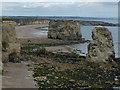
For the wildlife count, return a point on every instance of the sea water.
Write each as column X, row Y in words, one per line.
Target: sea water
column 87, row 33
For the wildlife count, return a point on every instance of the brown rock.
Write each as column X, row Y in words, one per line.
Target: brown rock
column 101, row 48
column 64, row 30
column 9, row 40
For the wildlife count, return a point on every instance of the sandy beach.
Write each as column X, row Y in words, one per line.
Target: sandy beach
column 29, row 31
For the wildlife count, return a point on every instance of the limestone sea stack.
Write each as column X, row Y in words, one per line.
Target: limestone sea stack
column 64, row 30
column 101, row 48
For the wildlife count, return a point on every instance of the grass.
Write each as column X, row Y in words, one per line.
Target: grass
column 6, row 19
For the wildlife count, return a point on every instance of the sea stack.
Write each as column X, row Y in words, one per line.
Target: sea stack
column 101, row 48
column 10, row 46
column 64, row 30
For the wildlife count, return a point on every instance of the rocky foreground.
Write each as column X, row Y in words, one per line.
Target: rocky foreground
column 68, row 70
column 65, row 69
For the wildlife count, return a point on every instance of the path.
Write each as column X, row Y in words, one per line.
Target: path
column 17, row 76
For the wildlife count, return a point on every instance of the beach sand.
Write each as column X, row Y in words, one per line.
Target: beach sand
column 56, row 49
column 28, row 31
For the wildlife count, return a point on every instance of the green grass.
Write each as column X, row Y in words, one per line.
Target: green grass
column 6, row 19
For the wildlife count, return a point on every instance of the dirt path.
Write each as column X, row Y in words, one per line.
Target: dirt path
column 16, row 75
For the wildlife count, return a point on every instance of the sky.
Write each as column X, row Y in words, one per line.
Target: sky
column 59, row 0
column 95, row 8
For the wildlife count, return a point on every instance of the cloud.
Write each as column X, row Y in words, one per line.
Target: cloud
column 47, row 5
column 60, row 0
column 93, row 9
column 35, row 5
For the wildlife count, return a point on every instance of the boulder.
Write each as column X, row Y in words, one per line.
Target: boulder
column 101, row 48
column 64, row 30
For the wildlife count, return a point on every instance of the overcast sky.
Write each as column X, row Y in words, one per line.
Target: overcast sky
column 62, row 8
column 59, row 0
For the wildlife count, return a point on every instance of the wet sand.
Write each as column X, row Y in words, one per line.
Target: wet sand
column 55, row 49
column 16, row 75
column 29, row 31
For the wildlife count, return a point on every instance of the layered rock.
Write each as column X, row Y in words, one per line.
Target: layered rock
column 8, row 31
column 9, row 40
column 64, row 30
column 101, row 48
column 31, row 21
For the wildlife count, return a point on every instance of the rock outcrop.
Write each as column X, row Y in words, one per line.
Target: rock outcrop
column 101, row 48
column 8, row 31
column 31, row 21
column 96, row 23
column 10, row 45
column 64, row 30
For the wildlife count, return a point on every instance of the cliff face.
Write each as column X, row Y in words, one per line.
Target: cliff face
column 101, row 48
column 9, row 40
column 64, row 30
column 30, row 21
column 8, row 31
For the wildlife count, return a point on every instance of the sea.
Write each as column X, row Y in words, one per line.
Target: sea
column 87, row 33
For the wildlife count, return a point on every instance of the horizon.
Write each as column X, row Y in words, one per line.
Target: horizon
column 66, row 16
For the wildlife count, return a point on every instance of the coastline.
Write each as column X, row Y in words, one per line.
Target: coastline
column 57, row 56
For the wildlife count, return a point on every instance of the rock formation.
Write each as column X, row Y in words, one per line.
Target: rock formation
column 9, row 40
column 101, row 48
column 31, row 21
column 8, row 31
column 64, row 30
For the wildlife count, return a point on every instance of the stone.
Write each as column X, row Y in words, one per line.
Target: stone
column 10, row 44
column 64, row 30
column 101, row 48
column 8, row 31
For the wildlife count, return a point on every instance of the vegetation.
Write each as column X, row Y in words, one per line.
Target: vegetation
column 49, row 77
column 6, row 19
column 83, row 75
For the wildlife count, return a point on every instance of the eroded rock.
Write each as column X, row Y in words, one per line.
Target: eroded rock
column 64, row 30
column 9, row 41
column 101, row 48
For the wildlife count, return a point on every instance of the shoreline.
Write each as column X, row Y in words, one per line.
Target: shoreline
column 62, row 61
column 27, row 31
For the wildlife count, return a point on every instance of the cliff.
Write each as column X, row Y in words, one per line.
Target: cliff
column 36, row 20
column 64, row 30
column 32, row 21
column 8, row 31
column 96, row 23
column 10, row 46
